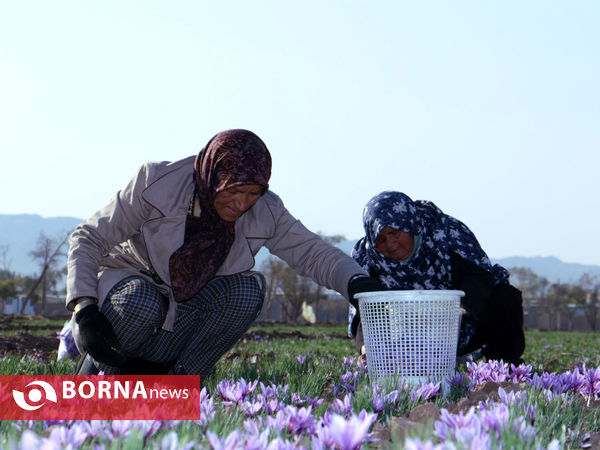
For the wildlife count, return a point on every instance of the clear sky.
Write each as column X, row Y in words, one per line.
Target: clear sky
column 489, row 109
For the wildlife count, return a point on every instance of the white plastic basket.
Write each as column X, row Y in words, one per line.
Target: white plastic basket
column 411, row 335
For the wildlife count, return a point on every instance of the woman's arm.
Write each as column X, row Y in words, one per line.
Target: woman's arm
column 309, row 254
column 94, row 238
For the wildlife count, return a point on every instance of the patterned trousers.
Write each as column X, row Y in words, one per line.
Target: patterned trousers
column 206, row 326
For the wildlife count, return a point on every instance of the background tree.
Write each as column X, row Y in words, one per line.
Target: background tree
column 533, row 286
column 591, row 285
column 8, row 289
column 272, row 269
column 47, row 253
column 4, row 260
column 295, row 288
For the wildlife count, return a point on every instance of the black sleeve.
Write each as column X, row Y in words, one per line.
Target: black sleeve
column 474, row 281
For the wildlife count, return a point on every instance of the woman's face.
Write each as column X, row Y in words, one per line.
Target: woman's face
column 395, row 244
column 232, row 203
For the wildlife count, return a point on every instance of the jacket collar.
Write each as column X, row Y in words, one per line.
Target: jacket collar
column 172, row 187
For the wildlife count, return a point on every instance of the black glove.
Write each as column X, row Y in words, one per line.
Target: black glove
column 98, row 337
column 140, row 366
column 363, row 284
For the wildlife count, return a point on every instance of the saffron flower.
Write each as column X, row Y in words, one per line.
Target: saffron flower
column 590, row 383
column 313, row 401
column 425, row 391
column 520, row 373
column 343, row 407
column 347, row 434
column 171, row 442
column 235, row 392
column 349, row 381
column 235, row 439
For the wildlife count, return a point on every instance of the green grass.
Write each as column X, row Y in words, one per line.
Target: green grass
column 13, row 324
column 273, row 361
column 304, row 329
column 554, row 351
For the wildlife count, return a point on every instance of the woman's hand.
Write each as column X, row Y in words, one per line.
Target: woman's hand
column 97, row 335
column 363, row 283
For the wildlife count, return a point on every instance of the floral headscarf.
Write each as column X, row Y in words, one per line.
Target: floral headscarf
column 429, row 267
column 231, row 158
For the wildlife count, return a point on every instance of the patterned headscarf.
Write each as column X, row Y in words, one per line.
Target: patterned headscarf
column 231, row 158
column 429, row 267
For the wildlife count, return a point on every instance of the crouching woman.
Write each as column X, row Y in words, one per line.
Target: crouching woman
column 160, row 279
column 414, row 245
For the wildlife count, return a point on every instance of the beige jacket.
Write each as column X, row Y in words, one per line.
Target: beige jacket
column 138, row 231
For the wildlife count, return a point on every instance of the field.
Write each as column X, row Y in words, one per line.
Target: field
column 291, row 387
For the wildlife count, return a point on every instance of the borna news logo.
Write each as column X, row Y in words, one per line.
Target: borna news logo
column 35, row 396
column 111, row 397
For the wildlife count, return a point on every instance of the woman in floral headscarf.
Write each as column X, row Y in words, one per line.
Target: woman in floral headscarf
column 414, row 245
column 159, row 280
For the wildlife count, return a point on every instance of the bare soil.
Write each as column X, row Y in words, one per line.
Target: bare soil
column 24, row 342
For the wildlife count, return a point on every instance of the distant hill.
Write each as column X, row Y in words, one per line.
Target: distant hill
column 550, row 267
column 20, row 233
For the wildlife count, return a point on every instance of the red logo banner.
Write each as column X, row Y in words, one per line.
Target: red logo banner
column 100, row 397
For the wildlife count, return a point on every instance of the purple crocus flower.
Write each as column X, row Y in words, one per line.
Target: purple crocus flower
column 273, row 405
column 171, row 442
column 523, row 429
column 349, row 381
column 378, row 403
column 91, row 428
column 590, row 385
column 299, row 420
column 569, row 381
column 315, row 402
column 448, row 424
column 235, row 392
column 512, row 397
column 347, row 434
column 278, row 422
column 252, row 408
column 234, row 440
column 228, row 392
column 253, row 426
column 282, row 444
column 391, row 397
column 300, row 359
column 520, row 373
column 273, row 391
column 296, row 399
column 495, row 419
column 459, row 380
column 425, row 391
column 417, row 444
column 61, row 436
column 29, row 440
column 348, row 363
column 207, row 409
column 479, row 373
column 343, row 407
column 117, row 428
column 544, row 381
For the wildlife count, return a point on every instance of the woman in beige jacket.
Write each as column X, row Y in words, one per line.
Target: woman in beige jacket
column 160, row 279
